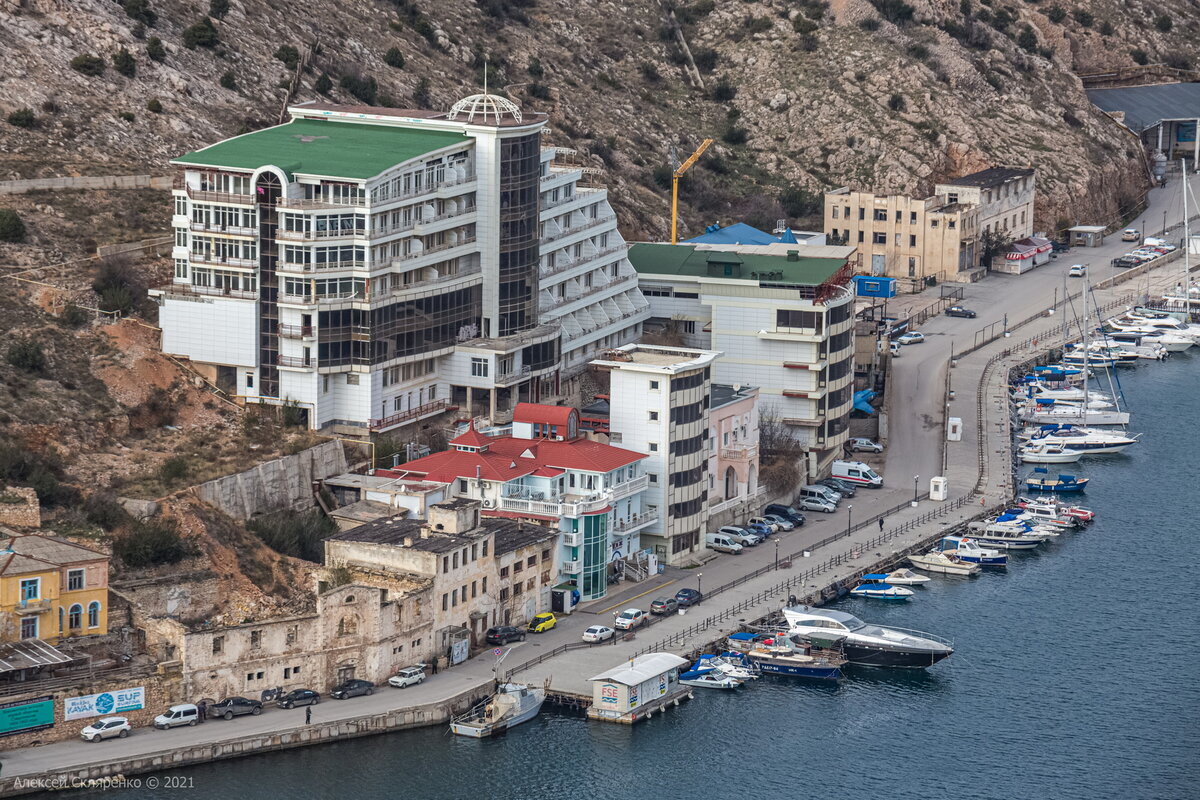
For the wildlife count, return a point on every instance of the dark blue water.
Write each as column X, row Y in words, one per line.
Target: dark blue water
column 1075, row 676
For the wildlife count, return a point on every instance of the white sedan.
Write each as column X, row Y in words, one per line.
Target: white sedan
column 912, row 337
column 598, row 633
column 106, row 728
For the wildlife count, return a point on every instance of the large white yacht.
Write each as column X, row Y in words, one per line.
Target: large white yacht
column 869, row 645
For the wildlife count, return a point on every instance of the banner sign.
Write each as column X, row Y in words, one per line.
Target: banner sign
column 19, row 716
column 99, row 705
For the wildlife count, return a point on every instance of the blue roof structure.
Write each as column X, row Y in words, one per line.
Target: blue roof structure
column 788, row 237
column 862, row 401
column 737, row 233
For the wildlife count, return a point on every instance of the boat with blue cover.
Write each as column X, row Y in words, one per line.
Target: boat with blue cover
column 1040, row 481
column 969, row 550
column 875, row 586
column 814, row 656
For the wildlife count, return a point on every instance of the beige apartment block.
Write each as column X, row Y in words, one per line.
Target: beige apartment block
column 904, row 237
column 1003, row 195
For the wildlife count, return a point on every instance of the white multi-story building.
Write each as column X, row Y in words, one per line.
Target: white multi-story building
column 376, row 266
column 782, row 319
column 659, row 405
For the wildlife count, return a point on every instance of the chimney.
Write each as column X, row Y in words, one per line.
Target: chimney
column 408, row 541
column 424, row 531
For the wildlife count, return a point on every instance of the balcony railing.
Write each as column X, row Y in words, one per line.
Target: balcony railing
column 309, row 236
column 296, row 331
column 233, row 230
column 435, row 249
column 295, row 361
column 301, row 204
column 528, row 506
column 291, row 266
column 401, row 417
column 200, row 196
column 223, row 261
column 572, row 538
column 633, row 523
column 630, row 487
column 34, row 606
column 591, row 223
column 572, row 567
column 516, row 376
column 211, row 291
column 747, row 452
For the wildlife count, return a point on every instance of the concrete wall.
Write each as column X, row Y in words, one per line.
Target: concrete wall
column 97, row 182
column 276, row 485
column 19, row 506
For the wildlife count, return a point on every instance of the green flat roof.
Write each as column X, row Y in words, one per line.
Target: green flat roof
column 351, row 150
column 686, row 260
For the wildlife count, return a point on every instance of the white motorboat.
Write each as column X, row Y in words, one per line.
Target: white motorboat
column 1042, row 453
column 725, row 667
column 1171, row 342
column 874, row 585
column 512, row 704
column 1058, row 391
column 866, row 644
column 968, row 550
column 1064, row 414
column 942, row 564
column 906, row 577
column 708, row 679
column 1005, row 532
column 1132, row 351
column 1162, row 321
column 1086, row 440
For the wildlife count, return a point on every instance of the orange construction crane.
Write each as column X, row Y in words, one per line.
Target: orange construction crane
column 675, row 176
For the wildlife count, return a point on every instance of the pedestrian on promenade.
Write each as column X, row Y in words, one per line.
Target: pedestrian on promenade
column 881, row 524
column 433, row 669
column 203, row 709
column 308, row 716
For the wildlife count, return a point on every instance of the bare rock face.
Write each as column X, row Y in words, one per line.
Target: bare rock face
column 889, row 96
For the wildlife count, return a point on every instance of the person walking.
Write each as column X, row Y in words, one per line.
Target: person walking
column 202, row 710
column 881, row 524
column 308, row 716
column 433, row 667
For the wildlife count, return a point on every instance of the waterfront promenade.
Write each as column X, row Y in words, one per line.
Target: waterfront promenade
column 917, row 406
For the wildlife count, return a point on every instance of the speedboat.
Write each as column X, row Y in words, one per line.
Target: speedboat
column 874, row 585
column 1084, row 515
column 1163, row 321
column 726, row 666
column 1007, row 533
column 1042, row 453
column 1089, row 359
column 799, row 657
column 512, row 704
column 942, row 563
column 1170, row 342
column 866, row 644
column 708, row 679
column 1085, row 440
column 1040, row 481
column 1046, row 514
column 1060, row 372
column 906, row 577
column 969, row 550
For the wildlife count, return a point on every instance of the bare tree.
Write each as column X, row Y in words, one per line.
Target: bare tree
column 775, row 436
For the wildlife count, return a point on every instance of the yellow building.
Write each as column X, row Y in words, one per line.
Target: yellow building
column 50, row 588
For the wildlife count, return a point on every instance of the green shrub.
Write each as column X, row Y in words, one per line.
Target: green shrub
column 1139, row 57
column 1055, row 14
column 964, row 7
column 800, row 202
column 1027, row 40
column 118, row 285
column 421, row 95
column 918, row 51
column 650, row 72
column 539, row 90
column 105, row 510
column 289, row 55
column 22, row 118
column 752, row 24
column 1083, row 17
column 124, row 63
column 154, row 106
column 802, row 24
column 897, row 103
column 174, row 469
column 140, row 10
column 322, row 84
column 535, row 68
column 869, row 24
column 1107, row 29
column 155, row 49
column 735, row 135
column 201, row 34
column 723, row 91
column 12, row 227
column 662, row 176
column 73, row 316
column 126, row 115
column 26, row 354
column 363, row 89
column 295, row 533
column 218, row 8
column 394, row 58
column 1164, row 23
column 705, row 58
column 88, row 64
column 229, row 81
column 897, row 12
column 152, row 543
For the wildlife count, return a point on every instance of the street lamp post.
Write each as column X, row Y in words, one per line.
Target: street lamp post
column 699, row 575
column 776, row 554
column 849, row 517
column 916, row 482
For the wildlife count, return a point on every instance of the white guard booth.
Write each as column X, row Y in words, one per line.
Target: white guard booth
column 939, row 488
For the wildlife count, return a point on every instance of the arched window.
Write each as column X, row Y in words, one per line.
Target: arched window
column 731, row 488
column 94, row 614
column 75, row 617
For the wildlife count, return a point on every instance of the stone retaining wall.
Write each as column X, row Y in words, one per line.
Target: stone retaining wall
column 96, row 182
column 276, row 485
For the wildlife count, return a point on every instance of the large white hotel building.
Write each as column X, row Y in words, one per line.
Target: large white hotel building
column 376, row 266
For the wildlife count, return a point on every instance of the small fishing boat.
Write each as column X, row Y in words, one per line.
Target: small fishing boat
column 943, row 564
column 799, row 657
column 512, row 704
column 1043, row 453
column 968, row 550
column 874, row 586
column 906, row 577
column 1040, row 481
column 708, row 679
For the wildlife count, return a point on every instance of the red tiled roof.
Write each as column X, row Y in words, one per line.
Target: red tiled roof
column 581, row 454
column 472, row 438
column 507, row 459
column 548, row 472
column 450, row 464
column 536, row 412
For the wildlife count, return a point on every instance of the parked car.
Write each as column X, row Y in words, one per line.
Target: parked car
column 722, row 543
column 542, row 623
column 354, row 687
column 788, row 512
column 232, row 707
column 688, row 597
column 959, row 311
column 771, row 524
column 912, row 337
column 820, row 493
column 598, row 633
column 742, row 536
column 663, row 606
column 817, row 504
column 857, row 473
column 409, row 676
column 106, row 728
column 782, row 523
column 1077, row 271
column 839, row 486
column 862, row 445
column 631, row 618
column 761, row 530
column 894, row 349
column 173, row 717
column 503, row 634
column 1131, row 235
column 1125, row 262
column 299, row 697
column 1060, row 247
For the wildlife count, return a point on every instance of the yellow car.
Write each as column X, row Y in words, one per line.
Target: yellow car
column 542, row 623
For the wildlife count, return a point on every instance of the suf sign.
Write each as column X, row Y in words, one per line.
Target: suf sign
column 98, row 705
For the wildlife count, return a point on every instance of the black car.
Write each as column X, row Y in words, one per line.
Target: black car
column 1125, row 262
column 688, row 597
column 503, row 634
column 232, row 707
column 788, row 512
column 299, row 697
column 844, row 488
column 352, row 688
column 959, row 311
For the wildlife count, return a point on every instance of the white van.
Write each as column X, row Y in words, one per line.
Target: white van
column 857, row 473
column 722, row 543
column 185, row 714
column 823, row 493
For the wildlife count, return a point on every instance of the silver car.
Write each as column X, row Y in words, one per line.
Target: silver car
column 106, row 728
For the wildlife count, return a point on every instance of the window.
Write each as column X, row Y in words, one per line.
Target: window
column 653, row 385
column 881, row 215
column 503, row 572
column 75, row 616
column 518, row 566
column 835, row 212
column 899, row 215
column 653, row 447
column 652, row 478
column 445, row 601
column 654, row 416
column 218, row 646
column 287, row 673
column 862, row 213
column 912, row 240
column 531, row 561
column 293, row 632
column 446, row 563
column 860, row 237
column 74, row 580
column 933, row 223
column 688, row 325
column 31, row 589
column 250, row 380
column 29, row 627
column 912, row 218
column 483, row 586
column 951, row 224
column 912, row 267
column 255, row 639
column 483, row 550
column 295, row 671
column 879, row 238
column 181, row 268
column 517, row 588
column 455, row 561
column 952, row 197
column 479, row 367
column 94, row 614
column 798, row 319
column 453, row 597
column 545, row 555
column 474, row 589
column 181, row 237
column 503, row 594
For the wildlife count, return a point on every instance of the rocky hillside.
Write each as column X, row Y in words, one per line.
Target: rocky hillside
column 801, row 96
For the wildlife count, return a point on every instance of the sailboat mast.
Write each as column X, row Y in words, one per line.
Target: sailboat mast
column 1187, row 242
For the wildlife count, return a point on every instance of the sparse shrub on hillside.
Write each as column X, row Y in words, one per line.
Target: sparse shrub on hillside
column 802, row 24
column 686, row 15
column 105, row 510
column 1072, row 120
column 295, row 533
column 535, row 68
column 1177, row 61
column 289, row 55
column 229, row 81
column 1164, row 23
column 705, row 58
column 964, row 7
column 201, row 34
column 799, row 202
column 154, row 106
column 118, row 285
column 26, row 354
column 897, row 12
column 897, row 103
column 650, row 72
column 155, row 50
column 662, row 176
column 723, row 91
column 124, row 63
column 1139, row 56
column 152, row 543
column 323, row 84
column 127, row 116
column 88, row 64
column 363, row 89
column 1055, row 14
column 12, row 227
column 421, row 94
column 173, row 470
column 752, row 24
column 1107, row 29
column 140, row 10
column 918, row 51
column 539, row 90
column 73, row 316
column 394, row 58
column 735, row 135
column 1084, row 17
column 869, row 24
column 1028, row 40
column 218, row 8
column 505, row 10
column 22, row 118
